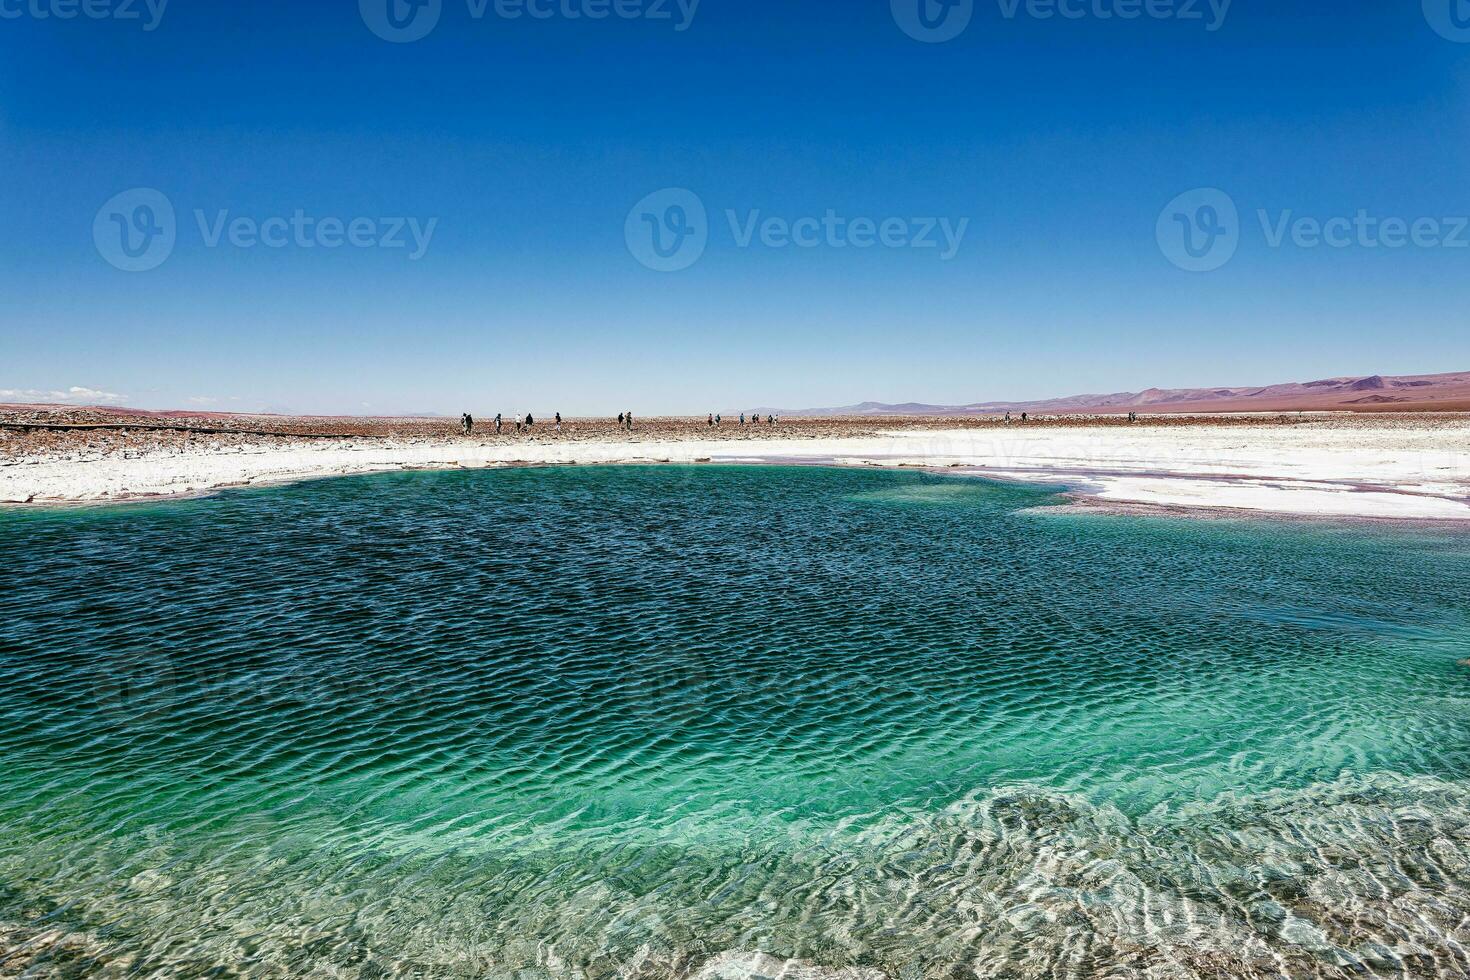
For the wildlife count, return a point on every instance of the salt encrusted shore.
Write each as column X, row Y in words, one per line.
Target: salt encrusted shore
column 1380, row 466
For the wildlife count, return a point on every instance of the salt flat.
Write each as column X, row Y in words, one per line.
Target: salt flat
column 1386, row 466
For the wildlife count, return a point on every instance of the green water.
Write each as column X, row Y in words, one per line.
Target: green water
column 649, row 721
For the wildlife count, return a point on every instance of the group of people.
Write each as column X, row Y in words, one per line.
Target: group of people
column 1025, row 417
column 467, row 423
column 625, row 422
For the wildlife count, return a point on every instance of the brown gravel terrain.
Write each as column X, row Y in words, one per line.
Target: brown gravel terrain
column 58, row 432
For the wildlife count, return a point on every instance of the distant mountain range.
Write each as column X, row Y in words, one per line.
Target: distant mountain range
column 1373, row 393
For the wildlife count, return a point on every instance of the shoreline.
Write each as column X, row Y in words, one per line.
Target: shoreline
column 1405, row 468
column 1410, row 467
column 1077, row 500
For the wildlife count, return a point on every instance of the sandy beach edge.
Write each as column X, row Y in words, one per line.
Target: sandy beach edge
column 1402, row 469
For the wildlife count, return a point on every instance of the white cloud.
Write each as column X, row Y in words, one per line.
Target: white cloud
column 201, row 400
column 75, row 395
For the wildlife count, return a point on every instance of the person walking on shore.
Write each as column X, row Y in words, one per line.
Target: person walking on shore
column 529, row 421
column 742, row 418
column 497, row 423
column 558, row 421
column 630, row 421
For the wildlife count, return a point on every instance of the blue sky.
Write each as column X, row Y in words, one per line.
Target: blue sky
column 527, row 141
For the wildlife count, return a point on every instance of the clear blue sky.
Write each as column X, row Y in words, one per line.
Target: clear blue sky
column 529, row 140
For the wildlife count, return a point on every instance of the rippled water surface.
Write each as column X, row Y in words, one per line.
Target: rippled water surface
column 654, row 722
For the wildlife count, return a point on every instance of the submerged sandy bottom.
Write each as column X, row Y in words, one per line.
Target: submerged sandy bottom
column 1359, row 471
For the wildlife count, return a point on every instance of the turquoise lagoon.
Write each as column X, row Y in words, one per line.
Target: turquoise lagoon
column 648, row 721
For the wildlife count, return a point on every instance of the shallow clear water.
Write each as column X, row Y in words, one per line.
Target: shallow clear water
column 647, row 721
